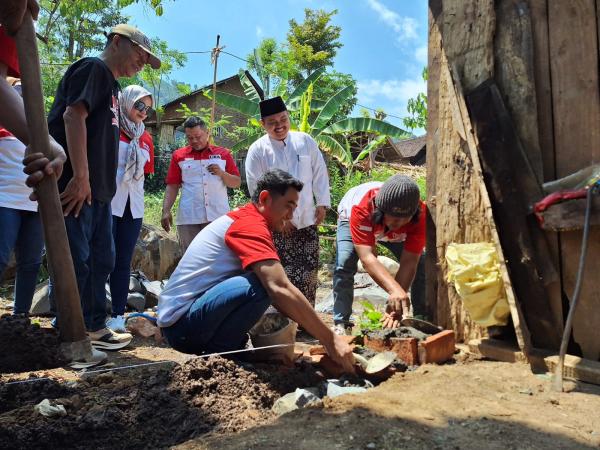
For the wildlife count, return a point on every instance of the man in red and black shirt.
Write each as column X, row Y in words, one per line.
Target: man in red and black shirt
column 204, row 172
column 390, row 214
column 231, row 273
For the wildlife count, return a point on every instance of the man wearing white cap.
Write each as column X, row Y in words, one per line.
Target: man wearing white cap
column 85, row 120
column 298, row 154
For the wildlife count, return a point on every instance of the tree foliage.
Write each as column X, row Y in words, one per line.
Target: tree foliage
column 417, row 109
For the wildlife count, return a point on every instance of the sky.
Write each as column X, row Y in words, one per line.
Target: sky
column 385, row 41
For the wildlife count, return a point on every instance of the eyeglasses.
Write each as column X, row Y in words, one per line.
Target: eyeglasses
column 141, row 107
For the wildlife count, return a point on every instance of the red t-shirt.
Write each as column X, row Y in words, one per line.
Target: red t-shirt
column 8, row 54
column 145, row 142
column 365, row 232
column 249, row 236
column 179, row 155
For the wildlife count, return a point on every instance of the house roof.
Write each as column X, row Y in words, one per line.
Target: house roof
column 197, row 91
column 407, row 148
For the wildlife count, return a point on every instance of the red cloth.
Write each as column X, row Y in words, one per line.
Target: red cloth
column 5, row 133
column 145, row 142
column 556, row 197
column 365, row 232
column 8, row 54
column 174, row 173
column 249, row 236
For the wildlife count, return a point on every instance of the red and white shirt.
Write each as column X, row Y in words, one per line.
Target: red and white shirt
column 225, row 248
column 8, row 54
column 203, row 195
column 134, row 189
column 357, row 207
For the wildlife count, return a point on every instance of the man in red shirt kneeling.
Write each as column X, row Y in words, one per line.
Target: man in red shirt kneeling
column 231, row 273
column 392, row 215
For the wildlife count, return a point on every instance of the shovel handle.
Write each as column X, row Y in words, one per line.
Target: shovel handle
column 60, row 263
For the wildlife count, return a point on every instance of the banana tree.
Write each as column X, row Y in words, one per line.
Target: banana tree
column 313, row 117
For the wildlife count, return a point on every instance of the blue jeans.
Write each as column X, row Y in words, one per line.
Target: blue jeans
column 346, row 262
column 93, row 252
column 219, row 319
column 22, row 232
column 126, row 231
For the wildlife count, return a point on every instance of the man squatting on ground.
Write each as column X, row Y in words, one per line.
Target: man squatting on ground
column 84, row 120
column 392, row 215
column 204, row 172
column 298, row 154
column 231, row 274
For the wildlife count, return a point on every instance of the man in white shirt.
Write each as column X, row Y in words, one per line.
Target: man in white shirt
column 298, row 154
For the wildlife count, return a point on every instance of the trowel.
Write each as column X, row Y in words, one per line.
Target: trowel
column 377, row 363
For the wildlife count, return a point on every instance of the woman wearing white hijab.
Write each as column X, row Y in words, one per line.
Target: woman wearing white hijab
column 136, row 158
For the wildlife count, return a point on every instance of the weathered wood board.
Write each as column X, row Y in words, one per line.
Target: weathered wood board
column 573, row 38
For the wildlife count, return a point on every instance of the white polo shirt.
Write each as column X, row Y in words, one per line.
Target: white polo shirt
column 223, row 249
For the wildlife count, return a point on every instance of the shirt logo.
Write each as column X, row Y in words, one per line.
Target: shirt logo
column 365, row 228
column 214, row 156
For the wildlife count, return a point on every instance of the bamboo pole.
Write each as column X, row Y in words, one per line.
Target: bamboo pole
column 215, row 60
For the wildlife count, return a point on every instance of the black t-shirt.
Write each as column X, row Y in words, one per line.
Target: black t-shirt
column 90, row 81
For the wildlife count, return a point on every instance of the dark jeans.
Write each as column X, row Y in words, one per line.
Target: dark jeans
column 346, row 262
column 126, row 231
column 22, row 232
column 219, row 319
column 93, row 252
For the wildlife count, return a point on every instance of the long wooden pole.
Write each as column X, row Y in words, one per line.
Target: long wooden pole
column 215, row 60
column 76, row 346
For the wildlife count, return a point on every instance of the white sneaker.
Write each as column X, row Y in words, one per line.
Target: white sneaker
column 107, row 339
column 117, row 324
column 97, row 358
column 342, row 330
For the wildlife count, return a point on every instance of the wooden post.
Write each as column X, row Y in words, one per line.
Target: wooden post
column 215, row 60
column 76, row 346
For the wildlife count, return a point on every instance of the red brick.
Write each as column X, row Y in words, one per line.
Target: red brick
column 405, row 348
column 437, row 348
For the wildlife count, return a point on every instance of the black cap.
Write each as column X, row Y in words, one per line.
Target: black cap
column 271, row 106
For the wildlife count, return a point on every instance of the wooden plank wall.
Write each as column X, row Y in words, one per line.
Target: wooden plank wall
column 564, row 98
column 573, row 49
column 455, row 205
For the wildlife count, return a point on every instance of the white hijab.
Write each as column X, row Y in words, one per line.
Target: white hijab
column 135, row 159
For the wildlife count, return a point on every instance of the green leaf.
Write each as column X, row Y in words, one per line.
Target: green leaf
column 335, row 149
column 303, row 86
column 235, row 102
column 371, row 147
column 249, row 88
column 332, row 107
column 245, row 143
column 365, row 124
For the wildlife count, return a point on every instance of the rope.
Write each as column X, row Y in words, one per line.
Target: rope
column 154, row 363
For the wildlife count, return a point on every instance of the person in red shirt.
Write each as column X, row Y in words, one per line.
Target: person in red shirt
column 204, row 172
column 12, row 113
column 390, row 214
column 231, row 274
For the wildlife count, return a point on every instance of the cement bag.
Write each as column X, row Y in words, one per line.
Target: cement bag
column 475, row 272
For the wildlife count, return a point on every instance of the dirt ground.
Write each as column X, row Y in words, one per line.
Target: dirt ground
column 467, row 404
column 471, row 405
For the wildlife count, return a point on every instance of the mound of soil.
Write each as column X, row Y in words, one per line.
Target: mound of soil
column 24, row 346
column 151, row 408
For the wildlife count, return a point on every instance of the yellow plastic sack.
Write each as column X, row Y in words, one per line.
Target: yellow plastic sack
column 475, row 272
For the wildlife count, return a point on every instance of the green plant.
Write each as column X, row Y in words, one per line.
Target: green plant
column 370, row 319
